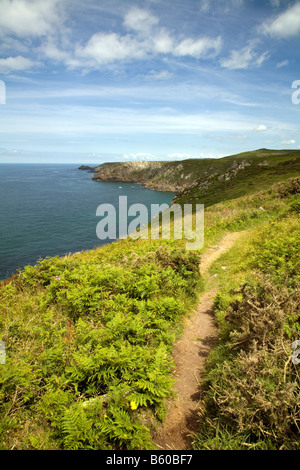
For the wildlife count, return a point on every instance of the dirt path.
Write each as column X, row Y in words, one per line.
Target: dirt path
column 189, row 356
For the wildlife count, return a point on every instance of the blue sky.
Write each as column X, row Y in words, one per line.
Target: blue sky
column 114, row 80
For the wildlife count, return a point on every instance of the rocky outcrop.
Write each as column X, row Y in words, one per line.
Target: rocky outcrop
column 86, row 167
column 163, row 176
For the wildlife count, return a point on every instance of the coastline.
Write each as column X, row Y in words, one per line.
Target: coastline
column 158, row 176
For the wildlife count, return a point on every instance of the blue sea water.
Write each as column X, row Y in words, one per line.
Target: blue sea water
column 48, row 210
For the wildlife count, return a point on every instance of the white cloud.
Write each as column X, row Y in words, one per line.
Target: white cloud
column 50, row 50
column 139, row 156
column 288, row 142
column 210, row 5
column 45, row 19
column 284, row 63
column 261, row 128
column 140, row 20
column 245, row 58
column 187, row 156
column 14, row 64
column 259, row 61
column 285, row 25
column 205, row 6
column 104, row 48
column 199, row 47
column 162, row 75
column 23, row 23
column 9, row 44
column 275, row 3
column 29, row 17
column 162, row 42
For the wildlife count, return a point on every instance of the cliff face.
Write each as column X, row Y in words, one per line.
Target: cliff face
column 163, row 176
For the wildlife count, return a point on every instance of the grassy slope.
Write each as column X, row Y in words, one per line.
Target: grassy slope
column 265, row 167
column 89, row 336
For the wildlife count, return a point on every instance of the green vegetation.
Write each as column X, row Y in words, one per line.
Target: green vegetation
column 242, row 174
column 88, row 342
column 252, row 386
column 89, row 336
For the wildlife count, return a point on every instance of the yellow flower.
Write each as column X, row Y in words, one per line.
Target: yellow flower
column 133, row 405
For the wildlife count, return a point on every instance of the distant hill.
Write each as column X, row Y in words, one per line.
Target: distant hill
column 207, row 180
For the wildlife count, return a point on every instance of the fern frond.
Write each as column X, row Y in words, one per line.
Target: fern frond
column 76, row 427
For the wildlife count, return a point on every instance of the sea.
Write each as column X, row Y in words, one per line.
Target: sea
column 48, row 210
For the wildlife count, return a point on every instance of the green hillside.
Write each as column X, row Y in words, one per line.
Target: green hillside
column 208, row 180
column 238, row 175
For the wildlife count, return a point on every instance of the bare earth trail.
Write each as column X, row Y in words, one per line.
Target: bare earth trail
column 189, row 355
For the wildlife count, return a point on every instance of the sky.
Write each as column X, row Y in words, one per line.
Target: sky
column 116, row 80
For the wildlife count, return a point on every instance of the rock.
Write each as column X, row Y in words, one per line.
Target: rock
column 86, row 167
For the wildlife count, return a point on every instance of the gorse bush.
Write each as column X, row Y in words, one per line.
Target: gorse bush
column 88, row 340
column 277, row 251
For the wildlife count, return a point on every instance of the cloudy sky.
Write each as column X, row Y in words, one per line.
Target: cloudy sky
column 105, row 80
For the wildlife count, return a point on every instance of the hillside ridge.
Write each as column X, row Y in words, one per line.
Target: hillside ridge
column 206, row 180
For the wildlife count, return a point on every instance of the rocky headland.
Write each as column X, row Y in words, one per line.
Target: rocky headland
column 204, row 179
column 162, row 176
